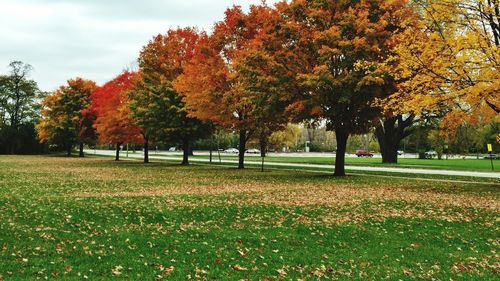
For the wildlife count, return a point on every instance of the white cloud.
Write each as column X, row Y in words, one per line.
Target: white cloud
column 94, row 39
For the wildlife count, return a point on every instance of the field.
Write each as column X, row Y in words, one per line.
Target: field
column 451, row 164
column 93, row 219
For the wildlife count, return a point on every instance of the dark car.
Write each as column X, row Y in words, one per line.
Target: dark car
column 492, row 156
column 363, row 153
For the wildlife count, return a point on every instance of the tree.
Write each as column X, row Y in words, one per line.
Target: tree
column 228, row 81
column 339, row 45
column 287, row 138
column 450, row 62
column 19, row 107
column 114, row 123
column 437, row 143
column 390, row 132
column 63, row 122
column 158, row 109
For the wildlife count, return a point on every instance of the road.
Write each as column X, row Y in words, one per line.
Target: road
column 176, row 156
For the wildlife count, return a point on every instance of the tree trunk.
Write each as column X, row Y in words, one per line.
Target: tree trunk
column 117, row 156
column 388, row 142
column 185, row 152
column 341, row 135
column 389, row 136
column 81, row 150
column 263, row 148
column 242, row 146
column 210, row 153
column 146, row 150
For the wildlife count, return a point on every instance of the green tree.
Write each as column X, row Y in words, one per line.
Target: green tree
column 19, row 105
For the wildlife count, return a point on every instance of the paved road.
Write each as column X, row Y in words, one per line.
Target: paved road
column 139, row 155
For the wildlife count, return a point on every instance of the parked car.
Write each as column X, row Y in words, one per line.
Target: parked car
column 430, row 154
column 232, row 151
column 492, row 156
column 172, row 149
column 253, row 151
column 400, row 152
column 363, row 153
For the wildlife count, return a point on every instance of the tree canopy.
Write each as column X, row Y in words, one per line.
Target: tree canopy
column 63, row 122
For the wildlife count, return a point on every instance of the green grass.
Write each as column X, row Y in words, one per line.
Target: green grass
column 450, row 164
column 93, row 218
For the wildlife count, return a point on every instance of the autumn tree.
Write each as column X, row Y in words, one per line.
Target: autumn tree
column 114, row 123
column 287, row 138
column 450, row 63
column 158, row 109
column 64, row 119
column 339, row 45
column 229, row 82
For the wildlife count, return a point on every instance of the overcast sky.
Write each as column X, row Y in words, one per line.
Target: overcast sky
column 93, row 39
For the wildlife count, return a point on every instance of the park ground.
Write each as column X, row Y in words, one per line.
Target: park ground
column 93, row 218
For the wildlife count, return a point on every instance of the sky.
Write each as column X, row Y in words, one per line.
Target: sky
column 93, row 39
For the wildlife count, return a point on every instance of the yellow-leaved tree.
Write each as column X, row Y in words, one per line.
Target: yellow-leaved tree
column 449, row 63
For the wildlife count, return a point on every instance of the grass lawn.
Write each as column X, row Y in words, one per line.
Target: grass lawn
column 451, row 164
column 93, row 219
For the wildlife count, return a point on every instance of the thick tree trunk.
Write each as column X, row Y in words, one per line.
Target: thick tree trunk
column 390, row 153
column 242, row 146
column 146, row 150
column 388, row 141
column 117, row 156
column 81, row 150
column 389, row 136
column 185, row 152
column 341, row 135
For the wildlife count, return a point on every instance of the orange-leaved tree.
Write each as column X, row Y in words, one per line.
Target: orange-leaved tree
column 232, row 80
column 113, row 122
column 64, row 121
column 340, row 44
column 157, row 108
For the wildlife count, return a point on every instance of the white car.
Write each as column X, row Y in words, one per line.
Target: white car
column 253, row 151
column 430, row 154
column 232, row 151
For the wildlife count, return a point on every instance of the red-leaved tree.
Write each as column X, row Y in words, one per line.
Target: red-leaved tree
column 113, row 122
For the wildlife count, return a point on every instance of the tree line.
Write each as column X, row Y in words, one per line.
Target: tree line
column 354, row 66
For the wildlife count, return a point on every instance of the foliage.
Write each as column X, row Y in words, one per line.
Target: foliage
column 233, row 82
column 157, row 107
column 19, row 110
column 63, row 123
column 339, row 45
column 110, row 105
column 286, row 139
column 449, row 61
